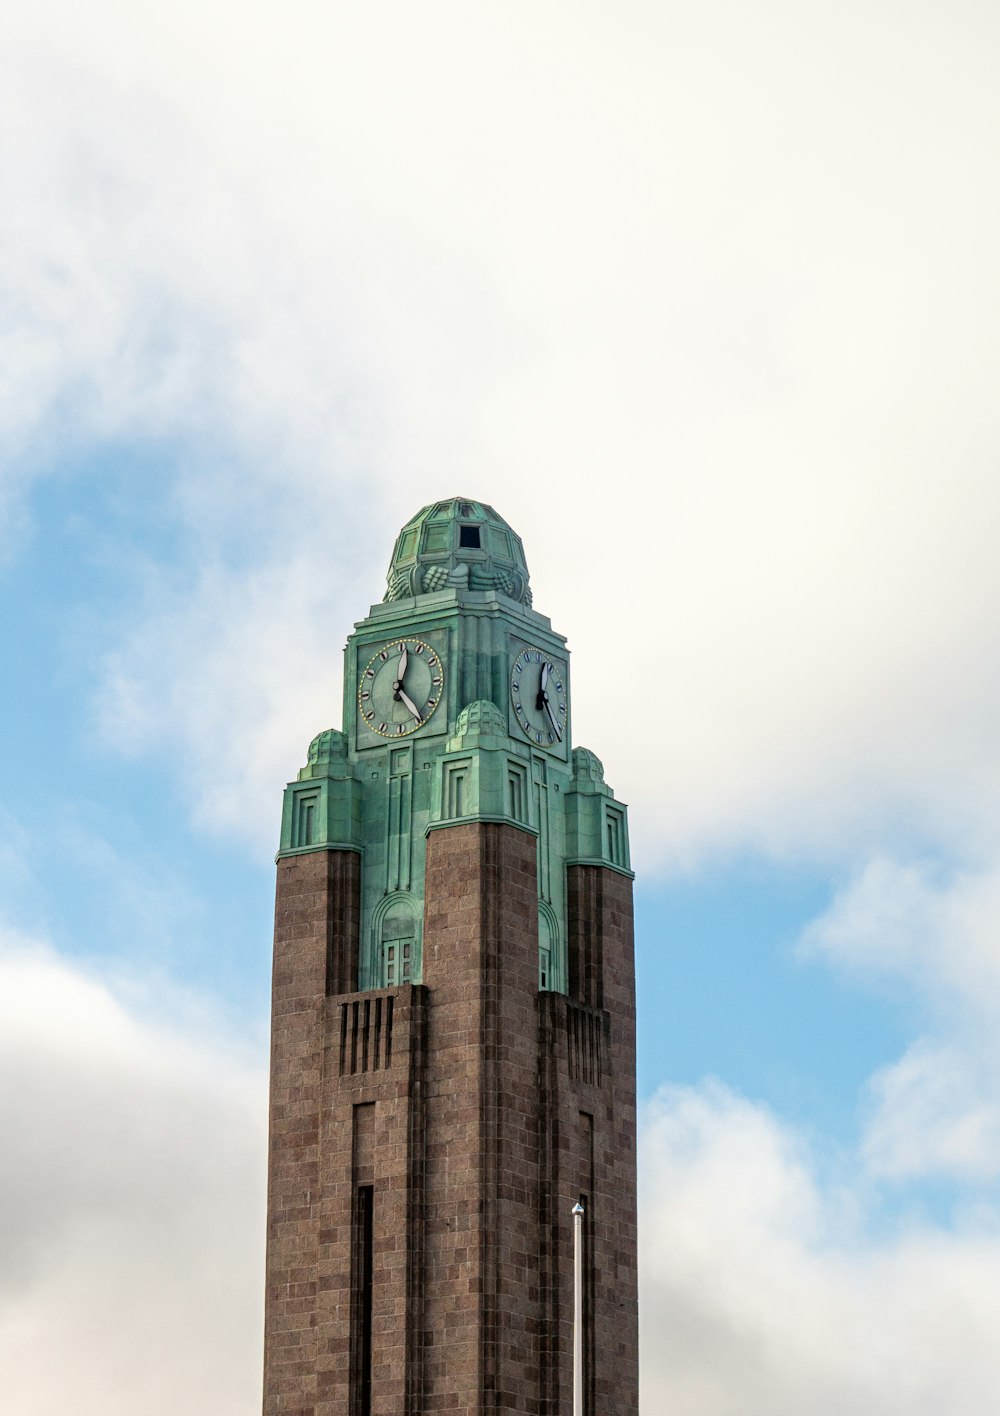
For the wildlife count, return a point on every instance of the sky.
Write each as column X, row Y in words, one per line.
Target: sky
column 705, row 301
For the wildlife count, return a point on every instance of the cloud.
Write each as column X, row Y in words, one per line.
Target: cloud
column 914, row 921
column 132, row 1189
column 699, row 302
column 931, row 935
column 764, row 1290
column 233, row 675
column 132, row 1229
column 936, row 1112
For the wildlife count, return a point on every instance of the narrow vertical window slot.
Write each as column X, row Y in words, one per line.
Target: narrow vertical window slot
column 361, row 1301
column 354, row 1038
column 377, row 1048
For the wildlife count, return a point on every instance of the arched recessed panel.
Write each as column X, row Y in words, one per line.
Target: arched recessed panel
column 551, row 964
column 396, row 945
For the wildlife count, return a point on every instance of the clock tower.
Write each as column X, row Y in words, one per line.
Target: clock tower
column 453, row 1028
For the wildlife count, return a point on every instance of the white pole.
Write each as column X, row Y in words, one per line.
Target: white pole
column 578, row 1310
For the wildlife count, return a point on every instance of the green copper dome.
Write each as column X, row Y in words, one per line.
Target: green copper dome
column 458, row 545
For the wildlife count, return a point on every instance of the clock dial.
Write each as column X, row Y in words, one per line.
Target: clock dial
column 538, row 693
column 400, row 687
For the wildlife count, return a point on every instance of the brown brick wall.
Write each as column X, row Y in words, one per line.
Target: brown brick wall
column 486, row 1108
column 482, row 1309
column 301, row 940
column 328, row 1056
column 600, row 918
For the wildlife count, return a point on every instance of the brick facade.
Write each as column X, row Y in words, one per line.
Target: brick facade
column 478, row 1110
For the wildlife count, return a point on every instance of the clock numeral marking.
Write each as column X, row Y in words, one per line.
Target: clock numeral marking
column 436, row 682
column 384, row 656
column 400, row 728
column 369, row 717
column 366, row 694
column 401, row 646
column 369, row 673
column 419, row 649
column 432, row 703
column 382, row 727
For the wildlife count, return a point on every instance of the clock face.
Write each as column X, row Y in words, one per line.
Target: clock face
column 400, row 687
column 538, row 693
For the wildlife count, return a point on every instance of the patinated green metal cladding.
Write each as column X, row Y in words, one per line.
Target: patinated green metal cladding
column 596, row 824
column 322, row 808
column 472, row 630
column 481, row 776
column 468, row 760
column 458, row 544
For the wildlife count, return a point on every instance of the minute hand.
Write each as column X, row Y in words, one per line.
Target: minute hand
column 555, row 726
column 408, row 703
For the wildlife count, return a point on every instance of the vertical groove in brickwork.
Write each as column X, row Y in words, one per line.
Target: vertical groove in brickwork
column 413, row 1394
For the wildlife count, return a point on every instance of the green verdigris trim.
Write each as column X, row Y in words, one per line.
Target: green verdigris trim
column 320, row 846
column 481, row 816
column 604, row 864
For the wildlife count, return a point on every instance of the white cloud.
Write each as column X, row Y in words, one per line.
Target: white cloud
column 914, row 922
column 234, row 677
column 699, row 300
column 936, row 1111
column 132, row 1186
column 763, row 1292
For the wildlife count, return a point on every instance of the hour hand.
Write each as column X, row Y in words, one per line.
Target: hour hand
column 409, row 704
column 540, row 697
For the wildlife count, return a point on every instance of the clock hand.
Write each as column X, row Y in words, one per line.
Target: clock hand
column 400, row 670
column 555, row 725
column 409, row 703
column 540, row 697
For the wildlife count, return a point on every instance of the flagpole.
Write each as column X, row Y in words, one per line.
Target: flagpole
column 578, row 1309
